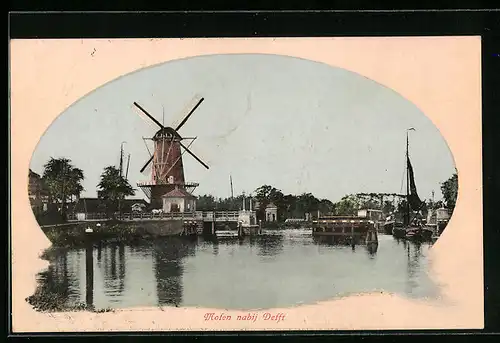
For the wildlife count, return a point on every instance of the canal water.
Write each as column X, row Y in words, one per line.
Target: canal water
column 278, row 269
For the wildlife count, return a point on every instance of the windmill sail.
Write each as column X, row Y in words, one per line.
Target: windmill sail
column 413, row 198
column 165, row 163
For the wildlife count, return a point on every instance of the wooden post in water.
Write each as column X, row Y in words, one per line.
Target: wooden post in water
column 213, row 223
column 353, row 243
column 240, row 230
column 89, row 273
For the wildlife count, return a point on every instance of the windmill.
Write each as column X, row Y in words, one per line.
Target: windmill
column 167, row 170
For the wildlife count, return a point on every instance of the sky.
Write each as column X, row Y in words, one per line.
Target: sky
column 298, row 125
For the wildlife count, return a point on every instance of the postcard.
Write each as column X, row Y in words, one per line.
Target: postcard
column 246, row 184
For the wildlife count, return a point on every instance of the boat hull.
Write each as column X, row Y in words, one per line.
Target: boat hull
column 388, row 227
column 399, row 232
column 344, row 230
column 413, row 233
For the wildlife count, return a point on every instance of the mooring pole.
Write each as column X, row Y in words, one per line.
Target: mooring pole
column 213, row 223
column 352, row 236
column 89, row 273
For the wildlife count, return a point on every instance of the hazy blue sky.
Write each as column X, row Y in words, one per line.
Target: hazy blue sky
column 298, row 125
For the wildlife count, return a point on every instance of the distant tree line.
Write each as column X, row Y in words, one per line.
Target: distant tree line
column 63, row 183
column 289, row 206
column 299, row 206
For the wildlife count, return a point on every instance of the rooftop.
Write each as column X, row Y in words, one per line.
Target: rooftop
column 271, row 205
column 178, row 193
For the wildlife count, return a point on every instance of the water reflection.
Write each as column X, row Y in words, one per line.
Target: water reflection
column 413, row 254
column 372, row 250
column 168, row 256
column 272, row 270
column 332, row 241
column 89, row 273
column 269, row 245
column 111, row 262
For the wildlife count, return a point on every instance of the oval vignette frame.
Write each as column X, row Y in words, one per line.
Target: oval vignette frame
column 406, row 98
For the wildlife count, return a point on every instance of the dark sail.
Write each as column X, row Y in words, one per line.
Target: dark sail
column 413, row 199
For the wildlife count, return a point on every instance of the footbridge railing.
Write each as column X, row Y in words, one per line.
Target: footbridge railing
column 208, row 216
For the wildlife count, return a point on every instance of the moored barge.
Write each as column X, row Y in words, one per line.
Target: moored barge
column 345, row 230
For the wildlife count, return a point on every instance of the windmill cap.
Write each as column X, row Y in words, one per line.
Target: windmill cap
column 167, row 131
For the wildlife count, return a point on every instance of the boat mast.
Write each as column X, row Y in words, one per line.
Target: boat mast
column 231, row 183
column 128, row 164
column 407, row 181
column 121, row 158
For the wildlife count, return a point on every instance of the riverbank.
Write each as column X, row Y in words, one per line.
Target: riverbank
column 74, row 234
column 51, row 302
column 285, row 226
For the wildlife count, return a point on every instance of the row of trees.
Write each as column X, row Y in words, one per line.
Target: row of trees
column 288, row 205
column 63, row 183
column 297, row 206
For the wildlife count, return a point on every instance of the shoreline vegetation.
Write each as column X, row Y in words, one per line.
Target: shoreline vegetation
column 110, row 230
column 57, row 191
column 45, row 299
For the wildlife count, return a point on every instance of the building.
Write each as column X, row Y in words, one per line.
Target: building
column 247, row 217
column 87, row 208
column 371, row 214
column 138, row 207
column 134, row 205
column 437, row 216
column 178, row 200
column 37, row 194
column 271, row 212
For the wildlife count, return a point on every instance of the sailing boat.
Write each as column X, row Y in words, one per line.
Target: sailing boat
column 412, row 227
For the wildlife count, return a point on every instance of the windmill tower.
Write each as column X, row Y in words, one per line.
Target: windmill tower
column 167, row 170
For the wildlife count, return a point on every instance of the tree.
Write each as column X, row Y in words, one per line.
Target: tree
column 62, row 181
column 326, row 206
column 113, row 188
column 307, row 203
column 267, row 194
column 205, row 203
column 388, row 207
column 347, row 206
column 449, row 189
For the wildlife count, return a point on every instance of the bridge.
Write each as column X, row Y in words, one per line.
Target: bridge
column 205, row 216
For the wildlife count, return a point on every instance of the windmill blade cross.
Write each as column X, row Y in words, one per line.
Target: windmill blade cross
column 147, row 148
column 147, row 163
column 189, row 114
column 192, row 154
column 149, row 115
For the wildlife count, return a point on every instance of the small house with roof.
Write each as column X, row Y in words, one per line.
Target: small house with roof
column 138, row 207
column 85, row 206
column 178, row 200
column 271, row 212
column 133, row 205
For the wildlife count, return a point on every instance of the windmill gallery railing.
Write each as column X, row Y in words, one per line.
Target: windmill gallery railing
column 209, row 216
